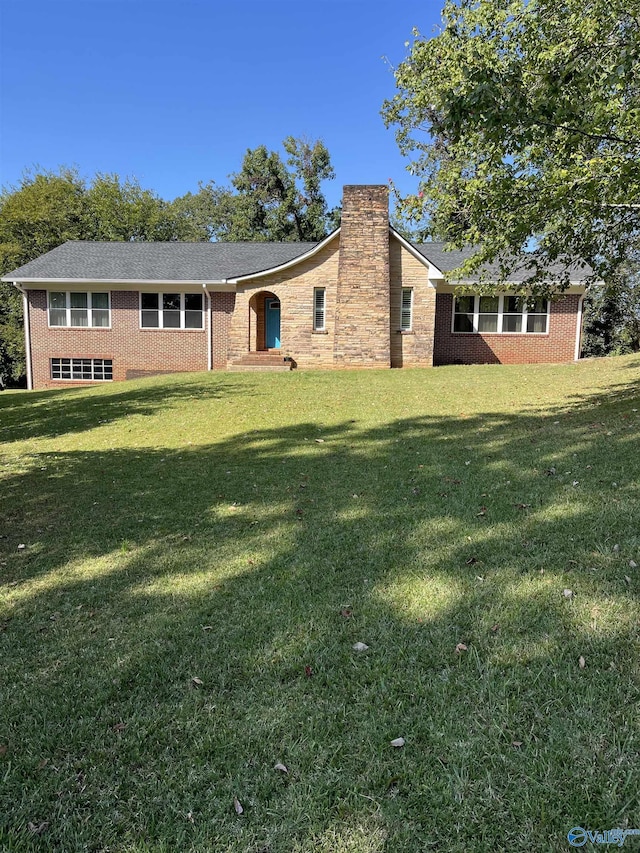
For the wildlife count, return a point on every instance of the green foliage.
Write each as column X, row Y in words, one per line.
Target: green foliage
column 612, row 313
column 270, row 198
column 523, row 121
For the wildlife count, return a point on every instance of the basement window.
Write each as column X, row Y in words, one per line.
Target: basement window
column 171, row 311
column 84, row 369
column 502, row 314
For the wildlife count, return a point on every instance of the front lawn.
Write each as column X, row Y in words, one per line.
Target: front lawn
column 187, row 562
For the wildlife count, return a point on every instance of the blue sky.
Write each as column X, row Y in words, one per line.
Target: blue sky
column 175, row 92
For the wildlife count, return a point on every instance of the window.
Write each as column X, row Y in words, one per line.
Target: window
column 87, row 369
column 319, row 301
column 171, row 310
column 406, row 309
column 68, row 308
column 501, row 314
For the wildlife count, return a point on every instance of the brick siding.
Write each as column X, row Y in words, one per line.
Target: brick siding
column 132, row 349
column 462, row 348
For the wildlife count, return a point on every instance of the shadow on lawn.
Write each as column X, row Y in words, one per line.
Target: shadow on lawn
column 45, row 414
column 235, row 562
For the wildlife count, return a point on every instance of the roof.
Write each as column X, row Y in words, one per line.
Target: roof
column 450, row 260
column 202, row 262
column 217, row 262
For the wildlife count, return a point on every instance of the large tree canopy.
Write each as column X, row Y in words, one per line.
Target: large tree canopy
column 270, row 198
column 522, row 118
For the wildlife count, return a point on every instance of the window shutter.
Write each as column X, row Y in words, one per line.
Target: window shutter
column 318, row 308
column 405, row 311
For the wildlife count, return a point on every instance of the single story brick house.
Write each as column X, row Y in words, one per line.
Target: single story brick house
column 362, row 297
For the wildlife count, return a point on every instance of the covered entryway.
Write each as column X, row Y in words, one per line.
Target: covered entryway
column 264, row 322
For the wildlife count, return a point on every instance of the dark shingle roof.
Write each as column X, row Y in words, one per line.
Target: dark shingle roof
column 446, row 261
column 158, row 261
column 205, row 262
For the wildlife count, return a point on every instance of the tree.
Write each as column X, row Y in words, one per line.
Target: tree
column 612, row 313
column 271, row 199
column 523, row 121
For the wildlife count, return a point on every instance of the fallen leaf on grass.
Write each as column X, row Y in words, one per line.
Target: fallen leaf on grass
column 320, row 440
column 42, row 764
column 483, row 512
column 516, row 743
column 460, row 648
column 627, row 579
column 38, row 828
column 207, row 627
column 633, row 564
column 119, row 727
column 21, row 547
column 237, row 805
column 197, row 682
column 472, row 561
column 347, row 612
column 281, row 767
column 567, row 593
column 523, row 506
column 495, row 628
column 398, row 742
column 3, row 749
column 581, row 662
column 360, row 647
column 308, row 671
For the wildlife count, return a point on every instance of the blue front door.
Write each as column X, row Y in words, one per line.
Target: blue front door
column 272, row 323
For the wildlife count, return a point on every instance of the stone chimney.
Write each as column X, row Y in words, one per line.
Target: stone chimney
column 362, row 299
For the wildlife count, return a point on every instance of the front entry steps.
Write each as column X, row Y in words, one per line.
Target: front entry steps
column 260, row 361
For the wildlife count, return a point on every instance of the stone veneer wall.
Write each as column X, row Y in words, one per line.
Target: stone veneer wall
column 294, row 288
column 362, row 314
column 414, row 348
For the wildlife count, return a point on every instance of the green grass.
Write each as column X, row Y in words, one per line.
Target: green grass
column 225, row 526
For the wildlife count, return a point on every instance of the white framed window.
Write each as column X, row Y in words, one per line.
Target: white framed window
column 406, row 310
column 319, row 309
column 171, row 311
column 86, row 369
column 79, row 309
column 503, row 314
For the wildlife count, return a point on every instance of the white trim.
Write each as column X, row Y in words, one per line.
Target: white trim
column 102, row 281
column 576, row 356
column 26, row 318
column 208, row 325
column 434, row 272
column 161, row 327
column 500, row 312
column 89, row 309
column 288, row 264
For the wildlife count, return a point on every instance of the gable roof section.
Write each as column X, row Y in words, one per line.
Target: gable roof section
column 180, row 262
column 445, row 261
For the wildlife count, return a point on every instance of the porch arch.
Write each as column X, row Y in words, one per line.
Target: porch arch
column 264, row 322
